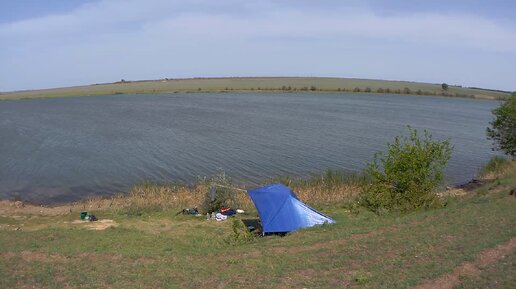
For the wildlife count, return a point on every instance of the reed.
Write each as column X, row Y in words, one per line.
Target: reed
column 329, row 188
column 497, row 166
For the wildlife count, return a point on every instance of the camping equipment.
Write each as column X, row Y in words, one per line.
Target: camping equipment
column 189, row 211
column 220, row 217
column 227, row 211
column 281, row 211
column 88, row 217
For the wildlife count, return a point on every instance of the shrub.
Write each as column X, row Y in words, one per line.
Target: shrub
column 407, row 90
column 367, row 89
column 240, row 234
column 356, row 89
column 380, row 90
column 405, row 178
column 503, row 127
column 219, row 195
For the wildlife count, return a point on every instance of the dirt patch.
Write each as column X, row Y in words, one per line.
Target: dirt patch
column 296, row 278
column 31, row 256
column 97, row 225
column 19, row 207
column 13, row 208
column 34, row 256
column 470, row 269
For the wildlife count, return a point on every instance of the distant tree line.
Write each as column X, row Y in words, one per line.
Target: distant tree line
column 405, row 90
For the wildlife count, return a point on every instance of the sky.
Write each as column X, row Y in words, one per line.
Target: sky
column 56, row 43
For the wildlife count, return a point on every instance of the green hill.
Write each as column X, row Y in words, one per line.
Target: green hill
column 259, row 84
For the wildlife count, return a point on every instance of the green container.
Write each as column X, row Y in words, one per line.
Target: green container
column 83, row 215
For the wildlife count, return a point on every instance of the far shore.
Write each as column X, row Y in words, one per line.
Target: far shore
column 260, row 84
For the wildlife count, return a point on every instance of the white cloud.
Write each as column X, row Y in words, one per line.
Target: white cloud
column 108, row 40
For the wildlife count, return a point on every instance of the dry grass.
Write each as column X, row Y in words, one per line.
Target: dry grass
column 159, row 197
column 498, row 167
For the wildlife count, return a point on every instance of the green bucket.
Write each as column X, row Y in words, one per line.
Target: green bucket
column 83, row 215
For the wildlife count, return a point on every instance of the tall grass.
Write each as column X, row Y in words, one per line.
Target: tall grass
column 330, row 187
column 496, row 167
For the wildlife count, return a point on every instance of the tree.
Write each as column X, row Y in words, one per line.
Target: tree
column 444, row 86
column 503, row 127
column 406, row 177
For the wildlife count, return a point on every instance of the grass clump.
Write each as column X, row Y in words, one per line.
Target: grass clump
column 240, row 234
column 496, row 166
column 406, row 177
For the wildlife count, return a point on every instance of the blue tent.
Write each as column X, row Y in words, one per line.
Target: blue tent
column 281, row 211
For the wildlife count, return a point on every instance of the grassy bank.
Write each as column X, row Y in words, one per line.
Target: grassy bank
column 259, row 84
column 157, row 249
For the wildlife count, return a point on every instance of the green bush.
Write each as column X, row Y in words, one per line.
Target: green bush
column 503, row 127
column 217, row 198
column 220, row 195
column 406, row 177
column 240, row 234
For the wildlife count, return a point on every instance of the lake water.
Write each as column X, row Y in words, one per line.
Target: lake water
column 64, row 149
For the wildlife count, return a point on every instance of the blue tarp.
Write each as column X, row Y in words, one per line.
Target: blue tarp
column 281, row 211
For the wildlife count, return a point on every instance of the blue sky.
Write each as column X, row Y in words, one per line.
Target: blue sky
column 55, row 43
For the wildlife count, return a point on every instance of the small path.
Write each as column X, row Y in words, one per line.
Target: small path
column 470, row 269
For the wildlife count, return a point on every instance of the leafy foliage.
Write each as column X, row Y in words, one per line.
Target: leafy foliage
column 240, row 234
column 503, row 127
column 444, row 86
column 406, row 177
column 221, row 194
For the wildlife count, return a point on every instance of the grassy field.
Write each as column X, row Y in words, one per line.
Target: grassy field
column 157, row 249
column 257, row 84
